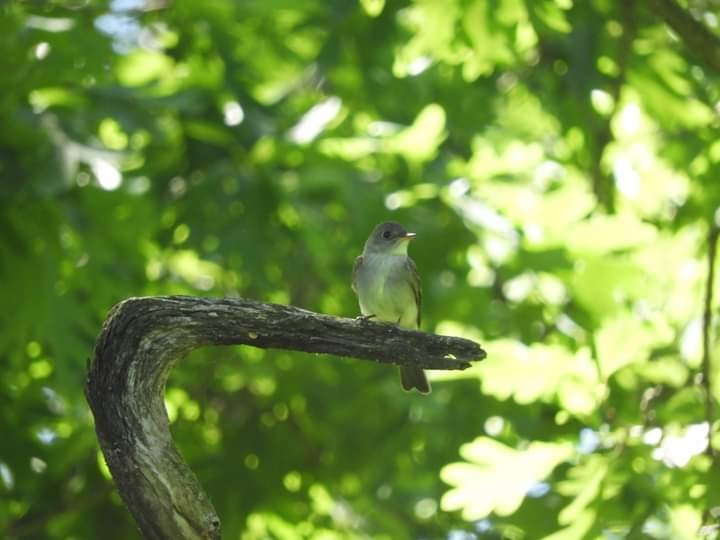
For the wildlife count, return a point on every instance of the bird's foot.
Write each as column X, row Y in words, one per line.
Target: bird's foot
column 364, row 318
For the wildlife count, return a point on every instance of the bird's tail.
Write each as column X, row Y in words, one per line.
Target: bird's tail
column 414, row 377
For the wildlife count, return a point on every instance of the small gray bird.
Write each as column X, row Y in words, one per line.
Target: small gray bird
column 388, row 288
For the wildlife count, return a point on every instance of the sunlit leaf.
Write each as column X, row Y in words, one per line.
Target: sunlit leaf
column 686, row 521
column 143, row 67
column 626, row 339
column 602, row 284
column 496, row 478
column 584, row 485
column 420, row 141
column 540, row 372
column 604, row 234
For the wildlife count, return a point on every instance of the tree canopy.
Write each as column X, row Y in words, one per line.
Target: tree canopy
column 559, row 162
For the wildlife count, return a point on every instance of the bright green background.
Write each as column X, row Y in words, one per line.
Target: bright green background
column 559, row 161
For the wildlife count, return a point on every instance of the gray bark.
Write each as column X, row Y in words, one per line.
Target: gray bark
column 138, row 345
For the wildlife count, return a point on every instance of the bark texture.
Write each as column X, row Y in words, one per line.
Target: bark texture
column 138, row 345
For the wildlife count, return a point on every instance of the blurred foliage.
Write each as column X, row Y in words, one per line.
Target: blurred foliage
column 559, row 161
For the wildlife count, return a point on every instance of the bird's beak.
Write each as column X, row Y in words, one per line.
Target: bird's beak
column 409, row 236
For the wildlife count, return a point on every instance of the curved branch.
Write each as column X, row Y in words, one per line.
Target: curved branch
column 138, row 345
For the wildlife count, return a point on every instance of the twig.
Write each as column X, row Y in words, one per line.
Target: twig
column 707, row 329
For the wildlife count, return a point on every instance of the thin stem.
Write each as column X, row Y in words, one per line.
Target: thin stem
column 707, row 329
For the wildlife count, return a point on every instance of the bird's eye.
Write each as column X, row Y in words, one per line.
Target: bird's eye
column 386, row 235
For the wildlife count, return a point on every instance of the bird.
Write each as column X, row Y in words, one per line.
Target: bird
column 387, row 285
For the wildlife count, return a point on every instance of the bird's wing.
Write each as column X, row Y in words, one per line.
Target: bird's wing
column 356, row 267
column 414, row 280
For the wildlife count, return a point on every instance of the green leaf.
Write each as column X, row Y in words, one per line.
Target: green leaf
column 584, row 484
column 603, row 234
column 626, row 339
column 602, row 285
column 419, row 142
column 496, row 477
column 541, row 372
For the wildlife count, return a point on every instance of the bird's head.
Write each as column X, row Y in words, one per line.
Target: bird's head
column 390, row 238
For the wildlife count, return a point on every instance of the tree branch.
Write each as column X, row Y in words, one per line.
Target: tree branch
column 706, row 330
column 138, row 345
column 700, row 41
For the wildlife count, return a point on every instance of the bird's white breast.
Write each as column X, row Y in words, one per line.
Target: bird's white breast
column 384, row 289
